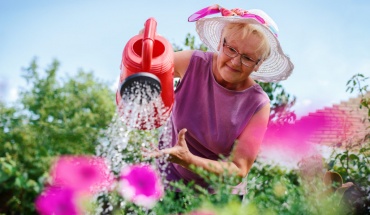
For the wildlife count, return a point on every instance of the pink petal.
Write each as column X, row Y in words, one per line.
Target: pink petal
column 56, row 200
column 82, row 173
column 140, row 184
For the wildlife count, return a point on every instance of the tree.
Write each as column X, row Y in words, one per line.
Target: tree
column 52, row 117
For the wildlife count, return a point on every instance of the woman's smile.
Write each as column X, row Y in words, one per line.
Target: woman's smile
column 232, row 69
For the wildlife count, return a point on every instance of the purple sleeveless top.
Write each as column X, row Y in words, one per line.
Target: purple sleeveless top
column 213, row 115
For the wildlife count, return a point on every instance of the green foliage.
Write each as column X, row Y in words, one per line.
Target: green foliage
column 355, row 82
column 50, row 119
column 276, row 190
column 353, row 164
column 190, row 43
column 67, row 113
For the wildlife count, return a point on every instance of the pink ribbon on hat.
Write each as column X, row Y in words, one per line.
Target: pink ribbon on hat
column 226, row 12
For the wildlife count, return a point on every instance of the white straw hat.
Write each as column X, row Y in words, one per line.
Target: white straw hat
column 275, row 68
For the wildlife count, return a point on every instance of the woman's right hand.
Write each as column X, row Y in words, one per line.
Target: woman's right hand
column 178, row 154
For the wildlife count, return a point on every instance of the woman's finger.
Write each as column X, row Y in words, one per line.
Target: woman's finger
column 181, row 140
column 152, row 154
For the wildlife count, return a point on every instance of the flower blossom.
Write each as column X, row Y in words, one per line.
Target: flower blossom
column 141, row 185
column 57, row 201
column 82, row 173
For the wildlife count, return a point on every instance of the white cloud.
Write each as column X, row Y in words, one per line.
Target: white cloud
column 306, row 102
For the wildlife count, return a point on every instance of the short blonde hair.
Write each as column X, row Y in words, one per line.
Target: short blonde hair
column 247, row 29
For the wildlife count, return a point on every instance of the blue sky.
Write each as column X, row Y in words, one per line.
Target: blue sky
column 328, row 41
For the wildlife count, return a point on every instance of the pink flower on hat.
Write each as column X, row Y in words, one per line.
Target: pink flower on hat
column 239, row 11
column 226, row 12
column 141, row 185
column 58, row 201
column 82, row 173
column 232, row 12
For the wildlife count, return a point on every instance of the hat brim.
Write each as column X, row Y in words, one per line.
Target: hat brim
column 275, row 68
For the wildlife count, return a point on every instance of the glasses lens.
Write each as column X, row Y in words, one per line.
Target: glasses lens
column 230, row 51
column 247, row 61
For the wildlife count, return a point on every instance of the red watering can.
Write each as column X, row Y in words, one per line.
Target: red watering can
column 147, row 61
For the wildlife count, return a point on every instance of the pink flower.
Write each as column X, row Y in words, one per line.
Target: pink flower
column 226, row 12
column 57, row 201
column 141, row 185
column 239, row 11
column 82, row 173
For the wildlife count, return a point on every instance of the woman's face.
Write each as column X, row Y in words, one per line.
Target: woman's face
column 231, row 73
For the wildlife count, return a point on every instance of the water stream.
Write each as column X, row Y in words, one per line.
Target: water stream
column 134, row 127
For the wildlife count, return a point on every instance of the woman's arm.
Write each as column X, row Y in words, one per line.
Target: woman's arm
column 248, row 144
column 181, row 62
column 242, row 157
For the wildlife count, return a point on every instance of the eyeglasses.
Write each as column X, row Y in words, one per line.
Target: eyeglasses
column 232, row 52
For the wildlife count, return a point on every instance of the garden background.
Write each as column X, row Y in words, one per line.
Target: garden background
column 60, row 113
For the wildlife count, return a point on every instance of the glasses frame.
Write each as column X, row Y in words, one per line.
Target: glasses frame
column 237, row 54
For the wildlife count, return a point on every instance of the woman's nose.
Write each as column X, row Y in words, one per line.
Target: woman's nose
column 236, row 60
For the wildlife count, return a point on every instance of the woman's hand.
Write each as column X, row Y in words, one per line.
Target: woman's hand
column 179, row 153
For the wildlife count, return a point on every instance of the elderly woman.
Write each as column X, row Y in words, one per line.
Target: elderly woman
column 219, row 110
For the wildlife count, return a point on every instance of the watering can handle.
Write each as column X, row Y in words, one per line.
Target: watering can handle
column 148, row 44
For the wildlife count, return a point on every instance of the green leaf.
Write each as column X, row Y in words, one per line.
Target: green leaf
column 353, row 157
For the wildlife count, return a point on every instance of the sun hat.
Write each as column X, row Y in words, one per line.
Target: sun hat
column 276, row 67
